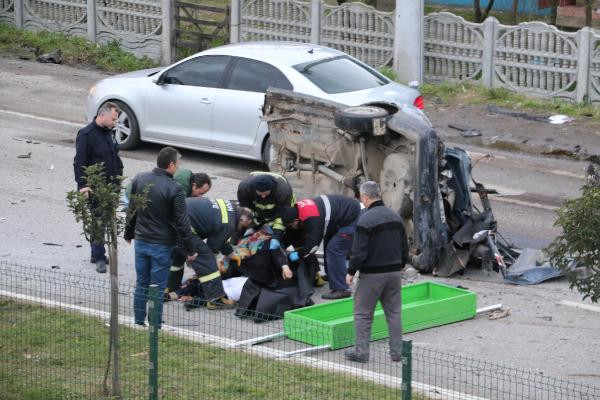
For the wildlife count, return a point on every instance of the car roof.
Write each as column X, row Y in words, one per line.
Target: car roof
column 280, row 53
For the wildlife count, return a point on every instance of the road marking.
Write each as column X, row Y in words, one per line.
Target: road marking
column 567, row 174
column 382, row 379
column 583, row 306
column 525, row 203
column 45, row 119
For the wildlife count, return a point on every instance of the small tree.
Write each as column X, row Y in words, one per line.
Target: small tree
column 579, row 243
column 103, row 223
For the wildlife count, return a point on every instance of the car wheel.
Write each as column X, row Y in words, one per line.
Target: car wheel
column 360, row 119
column 127, row 131
column 266, row 155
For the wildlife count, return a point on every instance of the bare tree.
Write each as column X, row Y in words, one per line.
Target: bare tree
column 514, row 12
column 588, row 12
column 553, row 11
column 481, row 16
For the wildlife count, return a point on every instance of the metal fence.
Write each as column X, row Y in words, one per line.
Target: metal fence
column 54, row 345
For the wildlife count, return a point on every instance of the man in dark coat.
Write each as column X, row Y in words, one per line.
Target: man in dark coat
column 331, row 219
column 157, row 228
column 379, row 252
column 96, row 144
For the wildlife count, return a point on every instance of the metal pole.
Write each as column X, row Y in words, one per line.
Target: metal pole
column 406, row 369
column 408, row 41
column 153, row 317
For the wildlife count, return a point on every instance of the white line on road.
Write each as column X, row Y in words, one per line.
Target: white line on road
column 382, row 379
column 45, row 119
column 524, row 203
column 583, row 306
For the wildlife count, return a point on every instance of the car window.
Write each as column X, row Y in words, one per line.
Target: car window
column 200, row 71
column 256, row 76
column 341, row 74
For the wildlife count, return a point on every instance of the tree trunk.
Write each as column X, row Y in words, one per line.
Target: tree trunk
column 588, row 12
column 114, row 311
column 477, row 9
column 486, row 13
column 514, row 12
column 553, row 11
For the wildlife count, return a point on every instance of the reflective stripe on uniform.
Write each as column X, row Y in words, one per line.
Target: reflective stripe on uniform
column 327, row 213
column 277, row 224
column 264, row 206
column 175, row 268
column 209, row 277
column 224, row 214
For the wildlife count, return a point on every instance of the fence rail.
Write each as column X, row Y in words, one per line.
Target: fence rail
column 54, row 341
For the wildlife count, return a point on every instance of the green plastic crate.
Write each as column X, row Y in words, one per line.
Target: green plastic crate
column 424, row 305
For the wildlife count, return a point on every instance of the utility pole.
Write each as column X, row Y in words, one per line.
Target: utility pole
column 408, row 41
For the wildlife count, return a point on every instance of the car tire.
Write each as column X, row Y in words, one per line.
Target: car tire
column 266, row 152
column 127, row 131
column 359, row 119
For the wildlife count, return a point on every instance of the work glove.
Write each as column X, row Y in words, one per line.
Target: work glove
column 294, row 256
column 274, row 244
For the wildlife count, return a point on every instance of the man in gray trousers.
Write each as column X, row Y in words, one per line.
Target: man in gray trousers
column 379, row 252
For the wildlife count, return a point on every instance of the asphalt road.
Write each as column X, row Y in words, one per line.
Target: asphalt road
column 41, row 109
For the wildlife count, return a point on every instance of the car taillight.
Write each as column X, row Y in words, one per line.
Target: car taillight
column 419, row 103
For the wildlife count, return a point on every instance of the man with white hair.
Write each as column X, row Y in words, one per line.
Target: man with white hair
column 379, row 252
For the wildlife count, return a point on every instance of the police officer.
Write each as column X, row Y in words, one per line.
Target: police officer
column 331, row 218
column 214, row 220
column 266, row 194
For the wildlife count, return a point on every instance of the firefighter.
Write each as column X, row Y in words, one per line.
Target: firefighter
column 214, row 220
column 266, row 194
column 331, row 219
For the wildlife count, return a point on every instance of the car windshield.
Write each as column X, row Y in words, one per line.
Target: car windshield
column 340, row 75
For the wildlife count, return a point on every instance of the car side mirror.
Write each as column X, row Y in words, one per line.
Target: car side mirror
column 160, row 80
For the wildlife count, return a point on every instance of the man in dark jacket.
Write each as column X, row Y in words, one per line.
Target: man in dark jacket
column 332, row 219
column 215, row 221
column 266, row 194
column 96, row 144
column 157, row 228
column 379, row 252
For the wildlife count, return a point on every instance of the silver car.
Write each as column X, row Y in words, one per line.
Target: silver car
column 212, row 101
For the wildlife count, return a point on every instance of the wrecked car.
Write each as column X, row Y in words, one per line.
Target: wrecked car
column 325, row 147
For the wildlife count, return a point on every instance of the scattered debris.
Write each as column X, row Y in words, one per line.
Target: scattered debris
column 559, row 119
column 531, row 268
column 497, row 314
column 465, row 130
column 78, row 246
column 51, row 166
column 54, row 57
column 55, row 267
column 546, row 318
column 517, row 114
column 28, row 155
column 51, row 244
column 17, row 139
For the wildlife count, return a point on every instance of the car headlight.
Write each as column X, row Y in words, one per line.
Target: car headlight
column 92, row 90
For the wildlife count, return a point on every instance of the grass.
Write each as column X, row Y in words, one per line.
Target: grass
column 50, row 354
column 446, row 93
column 76, row 50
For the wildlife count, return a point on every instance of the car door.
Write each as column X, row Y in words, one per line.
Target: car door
column 178, row 109
column 238, row 106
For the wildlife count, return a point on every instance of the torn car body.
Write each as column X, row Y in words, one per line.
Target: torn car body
column 326, row 147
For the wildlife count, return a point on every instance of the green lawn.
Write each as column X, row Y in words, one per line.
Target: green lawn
column 49, row 354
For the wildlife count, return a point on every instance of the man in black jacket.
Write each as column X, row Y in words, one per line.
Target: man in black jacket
column 332, row 219
column 215, row 221
column 379, row 252
column 266, row 194
column 96, row 144
column 157, row 227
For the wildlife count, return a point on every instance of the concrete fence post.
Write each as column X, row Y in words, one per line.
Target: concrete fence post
column 408, row 41
column 235, row 35
column 91, row 20
column 315, row 21
column 18, row 6
column 584, row 42
column 490, row 26
column 168, row 30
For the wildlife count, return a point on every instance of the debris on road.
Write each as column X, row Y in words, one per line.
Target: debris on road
column 54, row 57
column 559, row 119
column 465, row 130
column 517, row 114
column 497, row 314
column 530, row 268
column 51, row 244
column 28, row 155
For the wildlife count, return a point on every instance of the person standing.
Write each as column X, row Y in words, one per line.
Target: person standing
column 266, row 194
column 157, row 228
column 379, row 252
column 331, row 219
column 96, row 144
